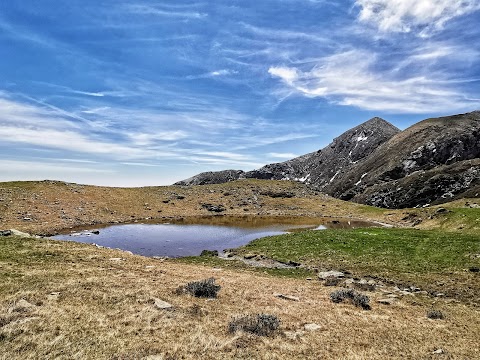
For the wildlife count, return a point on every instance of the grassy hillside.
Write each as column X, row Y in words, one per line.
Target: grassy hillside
column 62, row 300
column 46, row 206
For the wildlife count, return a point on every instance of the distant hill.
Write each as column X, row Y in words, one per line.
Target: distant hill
column 433, row 161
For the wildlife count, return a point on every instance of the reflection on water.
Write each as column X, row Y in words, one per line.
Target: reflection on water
column 187, row 239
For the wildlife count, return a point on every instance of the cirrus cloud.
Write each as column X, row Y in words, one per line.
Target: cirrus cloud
column 409, row 15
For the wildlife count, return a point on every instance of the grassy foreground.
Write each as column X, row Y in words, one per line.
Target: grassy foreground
column 435, row 260
column 63, row 300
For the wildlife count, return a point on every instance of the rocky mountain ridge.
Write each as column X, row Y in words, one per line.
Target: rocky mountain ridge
column 433, row 161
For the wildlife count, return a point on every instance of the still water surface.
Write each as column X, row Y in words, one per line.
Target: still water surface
column 176, row 240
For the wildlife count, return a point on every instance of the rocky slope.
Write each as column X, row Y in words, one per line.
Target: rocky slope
column 318, row 168
column 212, row 177
column 322, row 167
column 434, row 161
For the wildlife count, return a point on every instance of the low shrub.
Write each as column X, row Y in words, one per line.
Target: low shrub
column 213, row 253
column 351, row 295
column 258, row 324
column 203, row 288
column 435, row 314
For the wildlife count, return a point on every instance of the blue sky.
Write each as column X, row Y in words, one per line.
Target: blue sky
column 131, row 93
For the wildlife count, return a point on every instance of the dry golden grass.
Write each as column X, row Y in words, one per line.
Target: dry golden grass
column 46, row 207
column 84, row 305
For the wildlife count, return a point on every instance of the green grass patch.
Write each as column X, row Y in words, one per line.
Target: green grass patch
column 461, row 218
column 374, row 249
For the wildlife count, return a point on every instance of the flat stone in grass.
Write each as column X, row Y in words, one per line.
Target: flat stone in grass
column 287, row 297
column 312, row 327
column 160, row 304
column 388, row 301
column 330, row 274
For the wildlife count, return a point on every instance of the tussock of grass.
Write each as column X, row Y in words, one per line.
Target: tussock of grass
column 257, row 324
column 357, row 299
column 435, row 315
column 203, row 288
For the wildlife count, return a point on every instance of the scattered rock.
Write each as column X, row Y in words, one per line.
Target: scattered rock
column 5, row 232
column 116, row 259
column 312, row 327
column 53, row 296
column 388, row 301
column 23, row 305
column 287, row 297
column 160, row 304
column 392, row 296
column 330, row 274
column 474, row 269
column 438, row 352
column 442, row 211
column 95, row 232
column 213, row 208
column 249, row 256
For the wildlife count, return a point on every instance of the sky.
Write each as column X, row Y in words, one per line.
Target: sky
column 149, row 92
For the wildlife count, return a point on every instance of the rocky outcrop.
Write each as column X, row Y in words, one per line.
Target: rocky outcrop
column 212, row 177
column 322, row 167
column 433, row 161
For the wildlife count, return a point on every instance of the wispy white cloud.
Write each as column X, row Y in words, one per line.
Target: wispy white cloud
column 144, row 139
column 164, row 11
column 19, row 166
column 95, row 94
column 289, row 75
column 421, row 16
column 225, row 155
column 251, row 141
column 213, row 74
column 282, row 34
column 97, row 110
column 354, row 78
column 156, row 136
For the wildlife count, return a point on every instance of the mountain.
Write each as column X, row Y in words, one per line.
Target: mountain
column 322, row 167
column 318, row 168
column 433, row 161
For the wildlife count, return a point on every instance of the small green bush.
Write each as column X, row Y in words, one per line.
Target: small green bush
column 212, row 253
column 203, row 288
column 353, row 296
column 258, row 324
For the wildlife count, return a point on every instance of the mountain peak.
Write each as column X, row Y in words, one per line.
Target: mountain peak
column 379, row 122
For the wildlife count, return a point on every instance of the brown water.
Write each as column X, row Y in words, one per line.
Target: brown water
column 188, row 237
